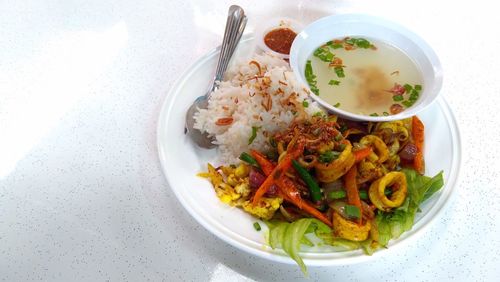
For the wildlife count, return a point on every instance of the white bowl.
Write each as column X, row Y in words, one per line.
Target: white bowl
column 339, row 26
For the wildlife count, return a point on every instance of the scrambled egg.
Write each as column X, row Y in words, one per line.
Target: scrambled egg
column 264, row 209
column 232, row 187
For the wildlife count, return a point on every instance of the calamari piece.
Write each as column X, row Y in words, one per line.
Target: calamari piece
column 329, row 172
column 394, row 148
column 392, row 162
column 349, row 230
column 399, row 128
column 369, row 171
column 380, row 151
column 397, row 182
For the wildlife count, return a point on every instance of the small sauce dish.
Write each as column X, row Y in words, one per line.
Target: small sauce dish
column 276, row 36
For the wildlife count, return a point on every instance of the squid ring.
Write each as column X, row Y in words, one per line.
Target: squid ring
column 329, row 172
column 381, row 153
column 349, row 230
column 377, row 195
column 398, row 128
column 308, row 161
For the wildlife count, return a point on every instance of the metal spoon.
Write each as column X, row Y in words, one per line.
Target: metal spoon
column 235, row 25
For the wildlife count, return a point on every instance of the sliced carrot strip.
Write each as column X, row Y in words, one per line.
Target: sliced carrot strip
column 291, row 194
column 417, row 134
column 362, row 153
column 266, row 165
column 352, row 189
column 278, row 171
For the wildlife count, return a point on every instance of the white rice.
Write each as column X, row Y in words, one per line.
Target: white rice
column 244, row 97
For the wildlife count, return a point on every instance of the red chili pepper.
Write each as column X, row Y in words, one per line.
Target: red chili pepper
column 397, row 89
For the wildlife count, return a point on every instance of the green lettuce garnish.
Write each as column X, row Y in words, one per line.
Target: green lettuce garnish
column 392, row 224
column 289, row 236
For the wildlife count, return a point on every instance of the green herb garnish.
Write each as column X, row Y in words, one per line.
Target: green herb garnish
column 359, row 42
column 311, row 78
column 414, row 95
column 337, row 105
column 334, row 82
column 339, row 71
column 328, row 156
column 254, row 134
column 256, row 226
column 248, row 159
column 385, row 113
column 363, row 43
column 407, row 87
column 374, row 115
column 397, row 98
column 340, row 194
column 314, row 189
column 407, row 103
column 335, row 195
column 305, row 104
column 337, row 45
column 341, row 147
column 323, row 53
column 363, row 194
column 350, row 41
column 352, row 211
column 318, row 114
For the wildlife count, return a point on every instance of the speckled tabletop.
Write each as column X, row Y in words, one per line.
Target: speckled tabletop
column 82, row 193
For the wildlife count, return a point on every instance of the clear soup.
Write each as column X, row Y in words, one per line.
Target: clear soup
column 364, row 76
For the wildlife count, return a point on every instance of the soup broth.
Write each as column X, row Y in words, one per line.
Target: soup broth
column 364, row 76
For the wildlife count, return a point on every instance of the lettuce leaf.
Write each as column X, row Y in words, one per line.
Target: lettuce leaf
column 391, row 225
column 290, row 236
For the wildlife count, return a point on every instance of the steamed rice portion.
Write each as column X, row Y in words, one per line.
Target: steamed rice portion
column 260, row 95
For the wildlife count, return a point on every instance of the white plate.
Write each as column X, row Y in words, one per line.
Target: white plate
column 181, row 160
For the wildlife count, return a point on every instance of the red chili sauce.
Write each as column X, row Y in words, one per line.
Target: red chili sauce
column 280, row 40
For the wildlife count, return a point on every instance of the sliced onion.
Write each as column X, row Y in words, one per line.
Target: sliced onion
column 386, row 134
column 272, row 192
column 367, row 210
column 331, row 187
column 290, row 213
column 256, row 179
column 286, row 214
column 339, row 207
column 307, row 161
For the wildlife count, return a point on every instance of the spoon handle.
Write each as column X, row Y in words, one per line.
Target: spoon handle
column 235, row 25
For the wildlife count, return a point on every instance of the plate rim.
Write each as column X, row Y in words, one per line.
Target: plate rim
column 320, row 259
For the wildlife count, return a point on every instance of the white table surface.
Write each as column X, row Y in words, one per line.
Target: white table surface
column 82, row 193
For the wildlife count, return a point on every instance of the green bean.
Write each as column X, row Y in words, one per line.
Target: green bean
column 340, row 194
column 316, row 194
column 248, row 159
